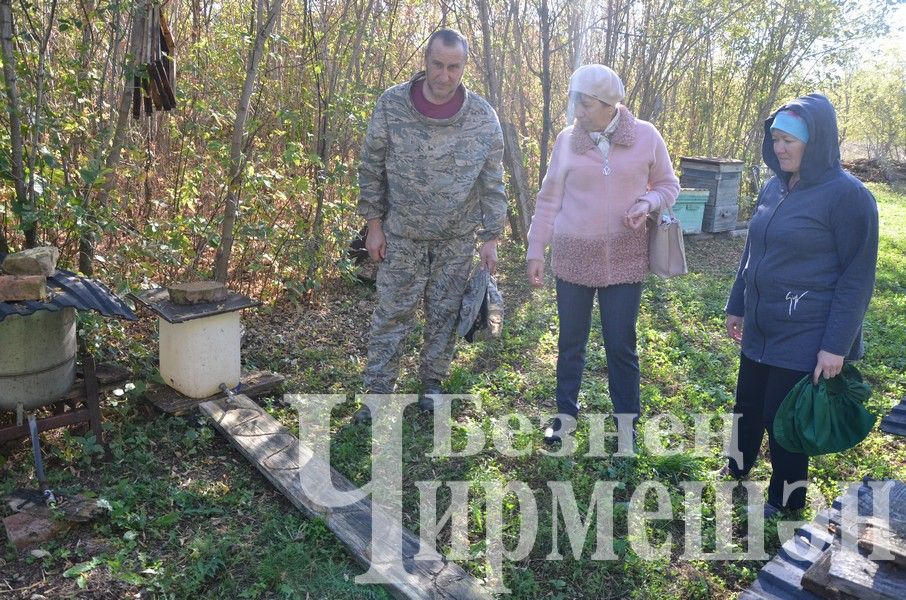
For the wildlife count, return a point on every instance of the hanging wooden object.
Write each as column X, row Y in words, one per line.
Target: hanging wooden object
column 155, row 75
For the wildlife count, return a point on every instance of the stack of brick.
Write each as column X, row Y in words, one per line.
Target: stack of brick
column 24, row 274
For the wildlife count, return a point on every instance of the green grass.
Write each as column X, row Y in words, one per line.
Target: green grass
column 191, row 519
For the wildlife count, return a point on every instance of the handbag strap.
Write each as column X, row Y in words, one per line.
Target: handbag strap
column 661, row 210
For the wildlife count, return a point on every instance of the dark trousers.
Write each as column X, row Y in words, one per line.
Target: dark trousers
column 760, row 389
column 619, row 307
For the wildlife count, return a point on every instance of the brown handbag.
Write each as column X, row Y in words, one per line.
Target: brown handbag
column 666, row 253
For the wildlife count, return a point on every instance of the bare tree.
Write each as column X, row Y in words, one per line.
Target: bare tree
column 26, row 203
column 12, row 107
column 87, row 238
column 265, row 18
column 37, row 117
column 545, row 76
column 512, row 156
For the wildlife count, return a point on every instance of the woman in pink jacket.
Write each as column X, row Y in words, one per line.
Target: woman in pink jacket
column 608, row 172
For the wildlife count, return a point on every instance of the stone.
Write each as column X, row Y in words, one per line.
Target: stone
column 79, row 509
column 197, row 292
column 25, row 530
column 34, row 261
column 15, row 288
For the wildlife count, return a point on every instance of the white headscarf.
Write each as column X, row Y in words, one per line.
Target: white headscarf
column 596, row 81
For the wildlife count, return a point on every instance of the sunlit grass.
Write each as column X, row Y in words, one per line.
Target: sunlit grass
column 191, row 518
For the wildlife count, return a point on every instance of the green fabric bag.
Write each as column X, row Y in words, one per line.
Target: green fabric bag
column 824, row 418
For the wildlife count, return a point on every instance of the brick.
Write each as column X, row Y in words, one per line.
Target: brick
column 15, row 288
column 34, row 261
column 26, row 531
column 196, row 292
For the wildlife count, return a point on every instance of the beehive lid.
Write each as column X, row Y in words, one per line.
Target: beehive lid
column 712, row 163
column 157, row 300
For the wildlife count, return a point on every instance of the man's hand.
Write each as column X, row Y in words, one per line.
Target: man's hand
column 829, row 365
column 536, row 273
column 734, row 327
column 375, row 242
column 637, row 213
column 488, row 256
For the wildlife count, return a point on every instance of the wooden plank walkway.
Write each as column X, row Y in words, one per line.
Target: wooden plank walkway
column 277, row 453
column 818, row 543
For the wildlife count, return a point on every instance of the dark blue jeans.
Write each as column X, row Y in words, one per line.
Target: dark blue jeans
column 619, row 306
column 760, row 389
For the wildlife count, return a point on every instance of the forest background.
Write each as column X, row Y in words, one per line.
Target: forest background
column 273, row 99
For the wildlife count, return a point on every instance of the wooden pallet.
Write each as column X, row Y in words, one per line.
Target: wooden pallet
column 277, row 453
column 842, row 574
column 252, row 384
column 813, row 565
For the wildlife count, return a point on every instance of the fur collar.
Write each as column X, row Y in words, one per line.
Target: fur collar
column 581, row 142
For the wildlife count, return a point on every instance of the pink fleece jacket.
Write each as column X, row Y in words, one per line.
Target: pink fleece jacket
column 580, row 210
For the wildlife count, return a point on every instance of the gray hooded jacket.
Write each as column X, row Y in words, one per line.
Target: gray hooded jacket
column 808, row 269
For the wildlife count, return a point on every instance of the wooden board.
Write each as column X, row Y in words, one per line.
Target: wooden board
column 852, row 573
column 276, row 453
column 252, row 384
column 816, row 580
column 895, row 520
column 765, row 590
column 878, row 535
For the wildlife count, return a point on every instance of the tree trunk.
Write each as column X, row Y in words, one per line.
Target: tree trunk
column 487, row 51
column 31, row 234
column 86, row 237
column 196, row 21
column 544, row 15
column 12, row 106
column 264, row 23
column 512, row 154
column 512, row 157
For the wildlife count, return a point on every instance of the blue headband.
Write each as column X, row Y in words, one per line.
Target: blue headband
column 791, row 123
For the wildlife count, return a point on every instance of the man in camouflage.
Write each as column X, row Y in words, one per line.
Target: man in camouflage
column 430, row 182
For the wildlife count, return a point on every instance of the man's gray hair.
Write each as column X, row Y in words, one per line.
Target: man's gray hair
column 448, row 37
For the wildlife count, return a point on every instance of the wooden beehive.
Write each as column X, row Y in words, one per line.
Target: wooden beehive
column 722, row 178
column 720, row 218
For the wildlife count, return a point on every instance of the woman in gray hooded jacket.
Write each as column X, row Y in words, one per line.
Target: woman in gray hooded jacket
column 803, row 284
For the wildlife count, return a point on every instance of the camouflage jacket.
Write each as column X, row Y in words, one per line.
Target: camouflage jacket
column 433, row 179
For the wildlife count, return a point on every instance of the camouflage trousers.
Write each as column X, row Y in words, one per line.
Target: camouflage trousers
column 436, row 272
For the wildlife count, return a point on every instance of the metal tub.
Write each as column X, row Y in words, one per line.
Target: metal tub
column 37, row 358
